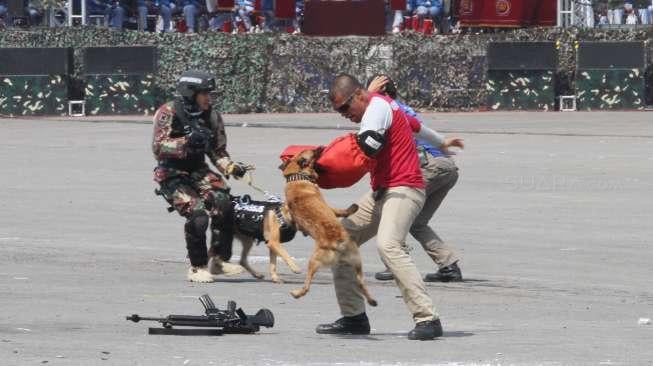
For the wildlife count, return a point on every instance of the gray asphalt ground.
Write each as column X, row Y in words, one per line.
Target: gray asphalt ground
column 552, row 217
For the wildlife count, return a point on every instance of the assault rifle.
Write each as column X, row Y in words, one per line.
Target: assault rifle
column 218, row 322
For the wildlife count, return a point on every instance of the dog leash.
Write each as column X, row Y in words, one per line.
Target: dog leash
column 248, row 178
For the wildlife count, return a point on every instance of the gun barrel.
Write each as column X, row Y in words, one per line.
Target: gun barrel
column 137, row 318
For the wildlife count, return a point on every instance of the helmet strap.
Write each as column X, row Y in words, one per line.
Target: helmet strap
column 191, row 107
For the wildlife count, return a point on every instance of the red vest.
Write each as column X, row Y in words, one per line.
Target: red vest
column 397, row 163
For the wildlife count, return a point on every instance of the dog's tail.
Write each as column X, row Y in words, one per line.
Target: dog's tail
column 347, row 212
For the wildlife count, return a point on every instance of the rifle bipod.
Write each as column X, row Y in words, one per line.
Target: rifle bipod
column 216, row 321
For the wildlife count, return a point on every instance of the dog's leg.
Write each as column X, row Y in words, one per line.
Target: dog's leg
column 313, row 266
column 247, row 246
column 344, row 213
column 354, row 259
column 273, row 235
column 274, row 276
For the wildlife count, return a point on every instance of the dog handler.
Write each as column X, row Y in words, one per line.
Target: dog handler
column 185, row 132
column 388, row 211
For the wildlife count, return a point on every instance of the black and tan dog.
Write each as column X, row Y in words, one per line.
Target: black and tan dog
column 268, row 221
column 313, row 216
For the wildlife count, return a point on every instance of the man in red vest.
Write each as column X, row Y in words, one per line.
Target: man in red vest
column 388, row 211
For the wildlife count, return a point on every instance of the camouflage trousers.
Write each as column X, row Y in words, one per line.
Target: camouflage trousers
column 201, row 196
column 440, row 175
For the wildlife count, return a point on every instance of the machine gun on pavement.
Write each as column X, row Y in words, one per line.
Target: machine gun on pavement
column 215, row 322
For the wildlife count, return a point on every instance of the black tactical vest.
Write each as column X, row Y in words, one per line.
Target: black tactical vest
column 249, row 215
column 181, row 124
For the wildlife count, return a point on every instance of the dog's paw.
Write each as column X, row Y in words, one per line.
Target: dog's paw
column 372, row 302
column 295, row 269
column 297, row 293
column 352, row 209
column 277, row 280
column 254, row 274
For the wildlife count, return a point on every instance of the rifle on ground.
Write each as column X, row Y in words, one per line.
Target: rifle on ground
column 216, row 321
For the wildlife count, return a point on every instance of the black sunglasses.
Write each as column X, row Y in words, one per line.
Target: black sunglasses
column 344, row 107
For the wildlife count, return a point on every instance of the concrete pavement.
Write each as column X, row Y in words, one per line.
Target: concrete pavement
column 552, row 216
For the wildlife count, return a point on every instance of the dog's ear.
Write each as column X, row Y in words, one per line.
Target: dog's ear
column 283, row 165
column 318, row 152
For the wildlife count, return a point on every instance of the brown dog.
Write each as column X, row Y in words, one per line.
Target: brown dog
column 314, row 217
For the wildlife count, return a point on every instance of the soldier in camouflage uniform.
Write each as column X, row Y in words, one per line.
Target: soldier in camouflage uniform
column 185, row 131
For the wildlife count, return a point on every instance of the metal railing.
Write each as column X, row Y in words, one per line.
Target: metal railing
column 600, row 14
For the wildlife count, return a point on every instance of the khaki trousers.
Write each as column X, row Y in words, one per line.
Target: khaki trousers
column 390, row 219
column 440, row 175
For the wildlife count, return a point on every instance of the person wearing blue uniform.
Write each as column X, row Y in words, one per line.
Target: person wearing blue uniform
column 430, row 8
column 3, row 8
column 440, row 174
column 245, row 9
column 142, row 9
column 191, row 9
column 166, row 9
column 116, row 12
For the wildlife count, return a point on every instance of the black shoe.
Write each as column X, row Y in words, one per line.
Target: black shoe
column 450, row 273
column 426, row 330
column 384, row 276
column 358, row 324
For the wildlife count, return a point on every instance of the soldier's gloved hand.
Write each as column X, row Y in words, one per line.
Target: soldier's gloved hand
column 197, row 140
column 238, row 170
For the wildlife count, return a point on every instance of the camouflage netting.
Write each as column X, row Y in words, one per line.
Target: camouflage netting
column 283, row 73
column 525, row 90
column 606, row 89
column 33, row 95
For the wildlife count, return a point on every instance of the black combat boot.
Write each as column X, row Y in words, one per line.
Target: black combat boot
column 358, row 324
column 384, row 275
column 450, row 273
column 426, row 330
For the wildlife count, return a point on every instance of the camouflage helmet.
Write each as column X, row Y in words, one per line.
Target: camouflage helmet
column 192, row 82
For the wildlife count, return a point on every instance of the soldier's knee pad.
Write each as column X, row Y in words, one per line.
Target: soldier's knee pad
column 197, row 223
column 218, row 202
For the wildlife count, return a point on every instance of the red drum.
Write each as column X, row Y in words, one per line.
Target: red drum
column 408, row 23
column 226, row 26
column 415, row 24
column 181, row 26
column 428, row 26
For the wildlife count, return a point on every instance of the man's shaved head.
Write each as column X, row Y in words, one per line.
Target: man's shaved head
column 348, row 97
column 343, row 85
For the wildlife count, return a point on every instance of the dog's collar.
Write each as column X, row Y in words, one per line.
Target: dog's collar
column 298, row 177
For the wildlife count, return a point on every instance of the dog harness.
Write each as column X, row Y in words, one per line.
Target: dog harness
column 249, row 216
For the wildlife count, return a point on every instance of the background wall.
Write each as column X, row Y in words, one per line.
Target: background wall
column 283, row 73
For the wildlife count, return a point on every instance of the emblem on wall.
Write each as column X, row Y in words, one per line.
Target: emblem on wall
column 503, row 7
column 466, row 7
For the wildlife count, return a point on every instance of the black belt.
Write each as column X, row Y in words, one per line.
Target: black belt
column 182, row 164
column 378, row 194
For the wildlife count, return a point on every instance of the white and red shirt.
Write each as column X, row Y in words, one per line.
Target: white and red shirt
column 397, row 163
